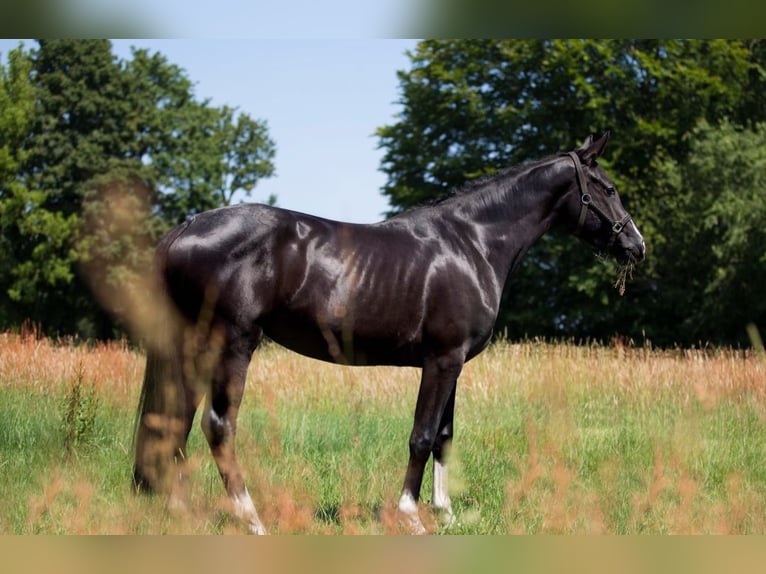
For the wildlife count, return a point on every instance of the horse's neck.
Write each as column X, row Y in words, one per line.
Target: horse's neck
column 511, row 215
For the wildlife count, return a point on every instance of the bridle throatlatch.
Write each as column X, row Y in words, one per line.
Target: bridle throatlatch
column 586, row 202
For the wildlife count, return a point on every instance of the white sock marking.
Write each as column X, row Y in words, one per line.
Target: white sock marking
column 440, row 497
column 245, row 510
column 441, row 500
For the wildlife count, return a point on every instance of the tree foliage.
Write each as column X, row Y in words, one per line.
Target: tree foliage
column 80, row 130
column 473, row 106
column 722, row 185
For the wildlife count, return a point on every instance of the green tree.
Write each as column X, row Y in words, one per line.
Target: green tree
column 16, row 109
column 721, row 185
column 80, row 129
column 472, row 106
column 101, row 128
column 202, row 155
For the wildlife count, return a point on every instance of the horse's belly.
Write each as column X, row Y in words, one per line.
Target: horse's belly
column 338, row 345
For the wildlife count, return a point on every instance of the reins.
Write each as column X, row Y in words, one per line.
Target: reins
column 586, row 202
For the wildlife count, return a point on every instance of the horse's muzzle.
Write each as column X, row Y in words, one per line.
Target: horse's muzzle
column 633, row 252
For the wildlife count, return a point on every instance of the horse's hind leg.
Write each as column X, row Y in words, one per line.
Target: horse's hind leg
column 219, row 423
column 166, row 410
column 191, row 400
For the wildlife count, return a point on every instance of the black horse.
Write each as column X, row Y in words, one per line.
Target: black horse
column 419, row 289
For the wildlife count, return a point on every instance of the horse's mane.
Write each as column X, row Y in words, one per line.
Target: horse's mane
column 480, row 182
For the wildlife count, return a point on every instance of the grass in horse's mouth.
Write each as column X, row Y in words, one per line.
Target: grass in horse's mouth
column 624, row 272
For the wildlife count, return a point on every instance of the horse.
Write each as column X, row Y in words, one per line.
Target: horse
column 420, row 289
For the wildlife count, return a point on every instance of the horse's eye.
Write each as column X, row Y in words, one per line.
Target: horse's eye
column 611, row 191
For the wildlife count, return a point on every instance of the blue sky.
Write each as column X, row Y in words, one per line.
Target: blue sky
column 322, row 98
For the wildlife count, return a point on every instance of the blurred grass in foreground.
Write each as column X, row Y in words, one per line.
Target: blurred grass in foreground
column 549, row 439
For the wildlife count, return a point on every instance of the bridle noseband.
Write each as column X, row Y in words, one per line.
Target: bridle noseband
column 586, row 202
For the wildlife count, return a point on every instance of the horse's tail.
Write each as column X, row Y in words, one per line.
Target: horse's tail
column 158, row 431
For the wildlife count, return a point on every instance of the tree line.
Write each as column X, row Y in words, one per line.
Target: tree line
column 688, row 154
column 82, row 131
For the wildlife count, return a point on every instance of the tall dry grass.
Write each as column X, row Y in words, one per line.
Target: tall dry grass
column 549, row 439
column 34, row 363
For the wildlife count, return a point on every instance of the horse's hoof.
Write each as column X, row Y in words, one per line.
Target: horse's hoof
column 177, row 505
column 446, row 517
column 409, row 518
column 411, row 524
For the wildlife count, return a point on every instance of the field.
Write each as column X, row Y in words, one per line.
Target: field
column 549, row 439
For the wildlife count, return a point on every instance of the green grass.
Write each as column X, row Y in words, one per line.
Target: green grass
column 549, row 439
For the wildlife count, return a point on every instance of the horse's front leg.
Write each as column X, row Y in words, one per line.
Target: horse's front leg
column 440, row 501
column 437, row 387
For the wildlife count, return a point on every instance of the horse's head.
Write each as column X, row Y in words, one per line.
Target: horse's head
column 595, row 210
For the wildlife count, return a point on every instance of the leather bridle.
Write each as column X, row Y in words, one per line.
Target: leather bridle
column 586, row 202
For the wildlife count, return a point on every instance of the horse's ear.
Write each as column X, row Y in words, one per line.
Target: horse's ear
column 592, row 149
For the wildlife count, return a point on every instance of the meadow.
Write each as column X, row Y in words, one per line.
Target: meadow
column 555, row 439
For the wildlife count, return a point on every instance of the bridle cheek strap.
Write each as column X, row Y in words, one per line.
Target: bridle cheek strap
column 586, row 202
